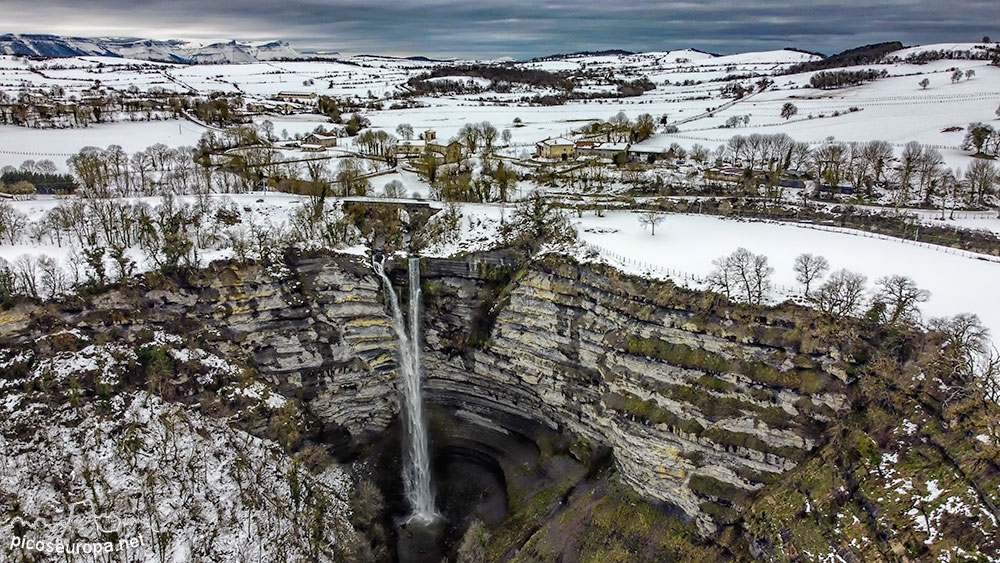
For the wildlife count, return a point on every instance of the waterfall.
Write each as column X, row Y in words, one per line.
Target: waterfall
column 416, row 451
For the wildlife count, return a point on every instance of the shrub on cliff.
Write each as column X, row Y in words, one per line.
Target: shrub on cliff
column 537, row 221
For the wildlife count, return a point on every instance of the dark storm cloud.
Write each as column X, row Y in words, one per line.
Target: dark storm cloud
column 518, row 28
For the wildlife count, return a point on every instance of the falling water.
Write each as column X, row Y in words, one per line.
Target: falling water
column 416, row 453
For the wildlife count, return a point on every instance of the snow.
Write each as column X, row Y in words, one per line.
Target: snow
column 172, row 50
column 109, row 361
column 894, row 109
column 18, row 144
column 257, row 392
column 907, row 51
column 689, row 243
column 132, row 464
column 886, row 106
column 933, row 491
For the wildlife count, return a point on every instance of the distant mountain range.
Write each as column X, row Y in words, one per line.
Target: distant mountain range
column 171, row 51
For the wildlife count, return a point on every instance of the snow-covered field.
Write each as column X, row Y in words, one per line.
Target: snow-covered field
column 18, row 144
column 688, row 91
column 894, row 109
column 689, row 243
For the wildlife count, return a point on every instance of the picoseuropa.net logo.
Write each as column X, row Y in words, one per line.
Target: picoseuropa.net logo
column 55, row 538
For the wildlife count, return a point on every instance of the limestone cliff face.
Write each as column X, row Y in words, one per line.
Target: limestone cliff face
column 699, row 403
column 698, row 408
column 316, row 330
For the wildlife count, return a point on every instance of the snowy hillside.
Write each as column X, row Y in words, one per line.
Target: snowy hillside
column 146, row 49
column 178, row 484
column 945, row 47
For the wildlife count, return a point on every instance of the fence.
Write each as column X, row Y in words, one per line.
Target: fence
column 32, row 153
column 777, row 292
column 723, row 140
column 936, row 215
column 867, row 234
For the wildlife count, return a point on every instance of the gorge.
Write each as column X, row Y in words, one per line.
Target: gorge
column 568, row 395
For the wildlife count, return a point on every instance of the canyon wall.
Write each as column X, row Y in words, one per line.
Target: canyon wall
column 314, row 330
column 699, row 402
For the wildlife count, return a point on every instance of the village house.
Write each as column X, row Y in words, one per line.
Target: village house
column 559, row 148
column 296, row 96
column 410, row 148
column 645, row 154
column 312, row 148
column 324, row 139
column 446, row 152
column 599, row 149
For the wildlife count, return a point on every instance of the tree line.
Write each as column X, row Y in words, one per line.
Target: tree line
column 34, row 177
column 918, row 173
column 52, row 108
column 894, row 301
column 833, row 79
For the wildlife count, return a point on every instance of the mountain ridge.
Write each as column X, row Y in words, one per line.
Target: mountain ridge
column 170, row 50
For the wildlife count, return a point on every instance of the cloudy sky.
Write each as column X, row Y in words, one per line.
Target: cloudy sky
column 516, row 28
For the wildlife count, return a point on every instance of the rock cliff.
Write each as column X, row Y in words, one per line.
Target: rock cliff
column 315, row 331
column 700, row 404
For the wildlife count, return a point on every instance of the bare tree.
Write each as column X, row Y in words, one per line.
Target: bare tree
column 351, row 178
column 788, row 110
column 699, row 154
column 831, row 163
column 842, row 294
column 809, row 268
column 26, row 272
column 53, row 277
column 46, row 167
column 394, row 189
column 909, row 162
column 405, row 130
column 928, row 173
column 506, row 137
column 651, row 219
column 12, row 223
column 800, row 155
column 901, row 296
column 488, row 134
column 742, row 275
column 981, row 177
column 8, row 281
column 878, row 155
column 966, row 343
